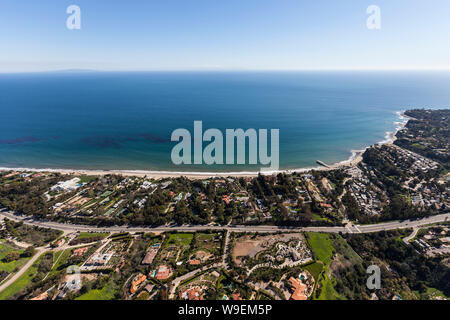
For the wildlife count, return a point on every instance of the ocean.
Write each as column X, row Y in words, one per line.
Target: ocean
column 124, row 120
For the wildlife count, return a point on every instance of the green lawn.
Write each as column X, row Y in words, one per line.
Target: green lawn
column 418, row 146
column 430, row 294
column 206, row 236
column 86, row 235
column 10, row 266
column 341, row 246
column 327, row 291
column 321, row 246
column 318, row 217
column 142, row 296
column 22, row 282
column 315, row 269
column 60, row 258
column 105, row 194
column 180, row 238
column 106, row 293
column 86, row 179
column 205, row 242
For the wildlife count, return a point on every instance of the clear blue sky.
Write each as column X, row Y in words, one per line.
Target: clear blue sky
column 224, row 35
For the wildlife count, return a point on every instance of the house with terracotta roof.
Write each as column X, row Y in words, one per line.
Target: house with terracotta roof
column 299, row 289
column 42, row 296
column 162, row 273
column 37, row 175
column 194, row 262
column 12, row 174
column 191, row 294
column 237, row 296
column 226, row 198
column 136, row 282
column 80, row 251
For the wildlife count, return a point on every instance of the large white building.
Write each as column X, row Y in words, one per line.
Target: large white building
column 69, row 185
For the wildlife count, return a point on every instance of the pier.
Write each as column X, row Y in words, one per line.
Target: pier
column 322, row 163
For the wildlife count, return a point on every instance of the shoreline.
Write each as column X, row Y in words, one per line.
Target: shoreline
column 353, row 160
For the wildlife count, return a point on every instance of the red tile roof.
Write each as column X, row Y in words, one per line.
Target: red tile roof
column 137, row 281
column 299, row 289
column 194, row 262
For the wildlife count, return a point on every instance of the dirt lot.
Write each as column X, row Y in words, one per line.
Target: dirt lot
column 203, row 255
column 250, row 246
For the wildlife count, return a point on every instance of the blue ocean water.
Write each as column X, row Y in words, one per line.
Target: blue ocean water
column 120, row 120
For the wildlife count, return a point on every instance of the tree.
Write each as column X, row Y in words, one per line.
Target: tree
column 29, row 252
column 11, row 256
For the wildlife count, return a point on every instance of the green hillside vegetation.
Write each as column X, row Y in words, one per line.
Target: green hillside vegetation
column 25, row 280
column 11, row 259
column 33, row 235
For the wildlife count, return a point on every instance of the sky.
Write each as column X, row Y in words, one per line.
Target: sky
column 224, row 35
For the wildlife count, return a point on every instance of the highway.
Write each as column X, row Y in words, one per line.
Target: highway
column 66, row 228
column 392, row 225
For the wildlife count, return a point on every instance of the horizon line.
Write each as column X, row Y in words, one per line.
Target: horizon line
column 68, row 70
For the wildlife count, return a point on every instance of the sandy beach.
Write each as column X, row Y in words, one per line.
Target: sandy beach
column 355, row 159
column 138, row 173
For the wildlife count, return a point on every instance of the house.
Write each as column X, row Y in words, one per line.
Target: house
column 299, row 289
column 42, row 296
column 80, row 251
column 12, row 174
column 397, row 297
column 69, row 185
column 325, row 205
column 99, row 259
column 179, row 197
column 165, row 184
column 162, row 273
column 237, row 296
column 191, row 294
column 194, row 262
column 146, row 185
column 151, row 254
column 136, row 282
column 226, row 198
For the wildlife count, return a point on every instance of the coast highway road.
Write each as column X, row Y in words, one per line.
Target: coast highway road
column 392, row 225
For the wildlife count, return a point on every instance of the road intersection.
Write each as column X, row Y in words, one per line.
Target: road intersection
column 67, row 228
